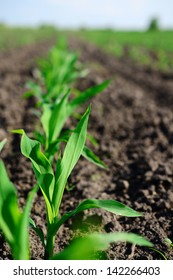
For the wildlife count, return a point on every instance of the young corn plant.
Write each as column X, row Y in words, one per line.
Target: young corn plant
column 54, row 117
column 56, row 74
column 59, row 71
column 52, row 185
column 14, row 223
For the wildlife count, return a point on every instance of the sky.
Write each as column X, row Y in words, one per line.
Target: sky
column 119, row 14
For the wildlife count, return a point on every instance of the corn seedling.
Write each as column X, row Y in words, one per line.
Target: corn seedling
column 54, row 117
column 53, row 184
column 57, row 73
column 14, row 225
column 13, row 222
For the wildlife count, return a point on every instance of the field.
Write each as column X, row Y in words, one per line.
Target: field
column 131, row 120
column 153, row 49
column 16, row 37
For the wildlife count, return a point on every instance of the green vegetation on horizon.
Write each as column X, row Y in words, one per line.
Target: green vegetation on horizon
column 11, row 37
column 152, row 48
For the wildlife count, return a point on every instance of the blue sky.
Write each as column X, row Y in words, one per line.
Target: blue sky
column 121, row 14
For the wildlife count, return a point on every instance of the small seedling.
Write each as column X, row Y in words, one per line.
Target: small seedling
column 13, row 222
column 54, row 94
column 53, row 184
column 54, row 117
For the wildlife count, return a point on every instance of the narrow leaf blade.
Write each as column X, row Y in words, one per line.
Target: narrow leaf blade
column 111, row 206
column 72, row 152
column 58, row 118
column 9, row 210
column 90, row 156
column 45, row 118
column 22, row 234
column 38, row 231
column 42, row 168
column 2, row 144
column 93, row 243
column 13, row 223
column 87, row 95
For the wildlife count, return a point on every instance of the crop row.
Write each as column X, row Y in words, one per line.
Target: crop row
column 12, row 37
column 152, row 49
column 54, row 153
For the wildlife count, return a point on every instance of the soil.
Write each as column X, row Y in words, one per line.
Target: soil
column 132, row 121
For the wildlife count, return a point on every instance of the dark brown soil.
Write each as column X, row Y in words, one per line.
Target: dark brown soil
column 133, row 123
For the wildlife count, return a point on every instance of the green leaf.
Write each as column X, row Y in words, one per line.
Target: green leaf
column 87, row 95
column 90, row 156
column 28, row 94
column 169, row 242
column 58, row 118
column 13, row 222
column 42, row 168
column 21, row 246
column 53, row 119
column 2, row 143
column 86, row 153
column 92, row 140
column 38, row 231
column 159, row 252
column 53, row 148
column 33, row 89
column 59, row 71
column 9, row 210
column 66, row 71
column 111, row 206
column 45, row 119
column 72, row 152
column 39, row 136
column 86, row 248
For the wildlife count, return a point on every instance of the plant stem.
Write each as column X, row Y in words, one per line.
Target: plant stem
column 49, row 245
